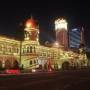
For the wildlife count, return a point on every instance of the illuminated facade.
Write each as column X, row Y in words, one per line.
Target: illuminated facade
column 9, row 52
column 61, row 32
column 31, row 54
column 30, row 44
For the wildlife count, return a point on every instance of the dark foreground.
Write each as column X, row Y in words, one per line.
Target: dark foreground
column 61, row 80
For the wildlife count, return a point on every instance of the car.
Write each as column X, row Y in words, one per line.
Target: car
column 12, row 71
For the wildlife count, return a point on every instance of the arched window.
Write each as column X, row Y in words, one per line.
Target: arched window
column 30, row 62
column 27, row 49
column 17, row 50
column 0, row 47
column 23, row 50
column 34, row 50
column 34, row 61
column 30, row 49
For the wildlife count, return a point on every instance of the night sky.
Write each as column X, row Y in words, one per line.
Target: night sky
column 13, row 15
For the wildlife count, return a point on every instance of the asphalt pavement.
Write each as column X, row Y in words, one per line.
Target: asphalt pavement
column 59, row 80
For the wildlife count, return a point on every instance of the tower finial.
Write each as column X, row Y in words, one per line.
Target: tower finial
column 31, row 16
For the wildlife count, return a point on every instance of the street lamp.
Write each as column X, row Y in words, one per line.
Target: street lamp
column 20, row 51
column 56, row 44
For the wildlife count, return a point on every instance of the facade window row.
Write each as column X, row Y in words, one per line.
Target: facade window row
column 33, row 62
column 29, row 49
column 9, row 49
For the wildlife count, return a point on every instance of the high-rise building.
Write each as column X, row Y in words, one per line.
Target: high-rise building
column 76, row 37
column 61, row 32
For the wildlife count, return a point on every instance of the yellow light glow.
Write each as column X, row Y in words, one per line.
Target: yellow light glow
column 60, row 24
column 28, row 25
column 56, row 44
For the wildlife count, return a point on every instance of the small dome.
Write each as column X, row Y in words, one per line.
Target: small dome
column 31, row 23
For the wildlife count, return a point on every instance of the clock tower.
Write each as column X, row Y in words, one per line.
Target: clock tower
column 61, row 32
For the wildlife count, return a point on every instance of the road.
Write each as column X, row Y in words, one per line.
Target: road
column 60, row 80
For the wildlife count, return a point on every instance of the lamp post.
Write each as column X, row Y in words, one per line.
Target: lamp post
column 20, row 52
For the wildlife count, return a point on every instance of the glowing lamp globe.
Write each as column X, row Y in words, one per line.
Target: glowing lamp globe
column 30, row 23
column 60, row 24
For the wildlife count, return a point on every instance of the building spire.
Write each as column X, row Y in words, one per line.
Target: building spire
column 31, row 16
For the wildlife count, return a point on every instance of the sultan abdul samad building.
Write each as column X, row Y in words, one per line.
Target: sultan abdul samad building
column 31, row 54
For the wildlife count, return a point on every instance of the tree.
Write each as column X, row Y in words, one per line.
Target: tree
column 16, row 64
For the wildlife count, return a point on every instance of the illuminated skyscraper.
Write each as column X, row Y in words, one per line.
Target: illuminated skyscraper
column 61, row 32
column 76, row 37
